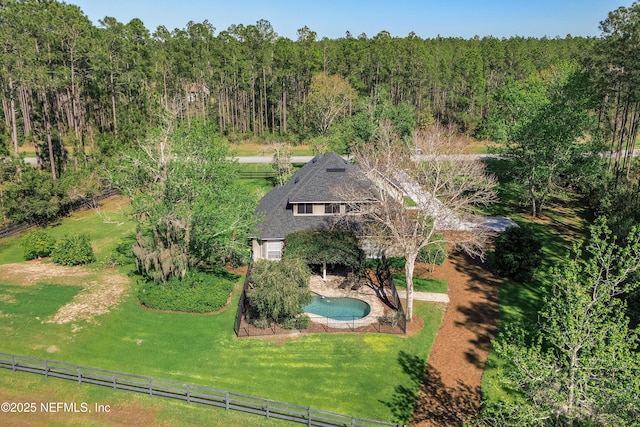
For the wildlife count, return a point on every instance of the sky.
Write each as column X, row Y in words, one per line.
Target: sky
column 333, row 18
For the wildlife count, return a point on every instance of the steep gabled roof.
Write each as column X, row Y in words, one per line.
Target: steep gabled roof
column 321, row 180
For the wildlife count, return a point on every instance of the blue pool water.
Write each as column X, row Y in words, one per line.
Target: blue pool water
column 338, row 308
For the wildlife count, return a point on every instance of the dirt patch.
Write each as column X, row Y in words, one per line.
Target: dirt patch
column 52, row 349
column 95, row 299
column 31, row 272
column 451, row 390
column 415, row 325
column 9, row 299
column 101, row 290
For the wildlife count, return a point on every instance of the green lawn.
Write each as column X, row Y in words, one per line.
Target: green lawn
column 244, row 149
column 347, row 373
column 125, row 408
column 562, row 224
column 356, row 374
column 422, row 284
column 106, row 228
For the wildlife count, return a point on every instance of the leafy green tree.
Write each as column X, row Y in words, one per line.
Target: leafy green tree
column 518, row 252
column 185, row 196
column 617, row 64
column 322, row 247
column 581, row 366
column 548, row 125
column 279, row 290
column 30, row 195
column 329, row 98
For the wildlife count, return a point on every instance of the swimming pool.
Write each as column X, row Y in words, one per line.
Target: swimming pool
column 338, row 308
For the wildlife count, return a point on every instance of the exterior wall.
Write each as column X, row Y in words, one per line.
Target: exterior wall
column 267, row 249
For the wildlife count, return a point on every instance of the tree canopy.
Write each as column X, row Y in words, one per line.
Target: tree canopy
column 190, row 209
column 581, row 366
column 330, row 246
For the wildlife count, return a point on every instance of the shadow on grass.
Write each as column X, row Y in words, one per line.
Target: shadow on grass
column 405, row 395
column 424, row 397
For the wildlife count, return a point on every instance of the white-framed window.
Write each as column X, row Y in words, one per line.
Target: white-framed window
column 273, row 250
column 331, row 208
column 305, row 208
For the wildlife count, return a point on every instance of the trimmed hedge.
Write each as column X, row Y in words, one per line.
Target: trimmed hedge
column 37, row 244
column 73, row 250
column 197, row 292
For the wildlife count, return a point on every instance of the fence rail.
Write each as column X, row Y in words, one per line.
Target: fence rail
column 189, row 393
column 89, row 202
column 257, row 174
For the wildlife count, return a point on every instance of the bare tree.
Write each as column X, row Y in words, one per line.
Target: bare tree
column 281, row 161
column 423, row 199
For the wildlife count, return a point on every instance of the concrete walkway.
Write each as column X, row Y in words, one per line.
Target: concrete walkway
column 431, row 296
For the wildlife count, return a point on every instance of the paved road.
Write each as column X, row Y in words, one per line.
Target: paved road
column 305, row 159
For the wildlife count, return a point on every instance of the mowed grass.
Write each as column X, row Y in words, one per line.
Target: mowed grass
column 562, row 224
column 106, row 227
column 347, row 373
column 355, row 374
column 124, row 408
column 422, row 284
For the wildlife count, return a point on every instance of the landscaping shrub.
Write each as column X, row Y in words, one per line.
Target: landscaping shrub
column 518, row 253
column 372, row 263
column 73, row 250
column 37, row 244
column 122, row 254
column 279, row 291
column 396, row 262
column 197, row 292
column 434, row 253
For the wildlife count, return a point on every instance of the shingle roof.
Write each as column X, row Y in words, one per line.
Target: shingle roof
column 319, row 181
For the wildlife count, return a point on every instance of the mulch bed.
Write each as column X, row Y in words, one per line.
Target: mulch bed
column 451, row 390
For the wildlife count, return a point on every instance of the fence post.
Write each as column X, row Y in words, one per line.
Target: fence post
column 13, row 362
column 188, row 394
column 46, row 369
column 79, row 376
column 115, row 384
column 309, row 416
column 267, row 410
column 150, row 387
column 226, row 401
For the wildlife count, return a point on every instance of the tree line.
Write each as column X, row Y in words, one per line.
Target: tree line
column 66, row 80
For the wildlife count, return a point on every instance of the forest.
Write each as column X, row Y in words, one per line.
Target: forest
column 73, row 92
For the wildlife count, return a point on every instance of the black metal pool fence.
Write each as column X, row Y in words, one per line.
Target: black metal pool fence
column 392, row 322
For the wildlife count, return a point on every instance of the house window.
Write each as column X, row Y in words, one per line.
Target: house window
column 305, row 208
column 331, row 208
column 274, row 250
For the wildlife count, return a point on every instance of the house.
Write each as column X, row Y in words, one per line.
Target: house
column 328, row 187
column 314, row 198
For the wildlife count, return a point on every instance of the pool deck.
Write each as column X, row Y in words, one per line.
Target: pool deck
column 329, row 288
